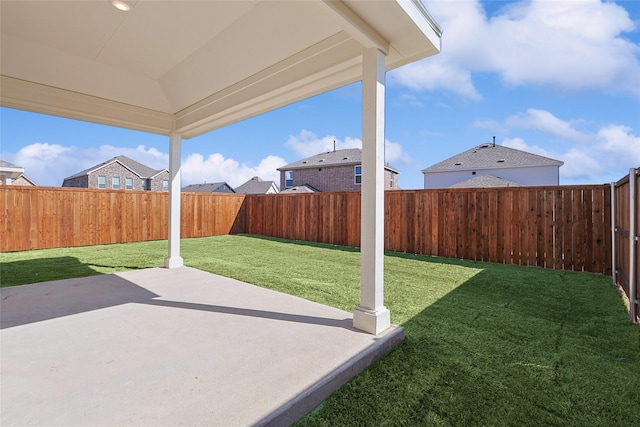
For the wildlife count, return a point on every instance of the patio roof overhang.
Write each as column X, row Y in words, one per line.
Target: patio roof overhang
column 182, row 68
column 192, row 66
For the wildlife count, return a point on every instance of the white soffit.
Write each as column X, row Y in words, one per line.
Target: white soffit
column 193, row 66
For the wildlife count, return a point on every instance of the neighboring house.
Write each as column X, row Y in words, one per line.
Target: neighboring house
column 211, row 187
column 11, row 174
column 508, row 164
column 300, row 189
column 339, row 170
column 256, row 185
column 120, row 173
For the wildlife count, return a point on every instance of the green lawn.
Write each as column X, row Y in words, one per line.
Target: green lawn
column 487, row 344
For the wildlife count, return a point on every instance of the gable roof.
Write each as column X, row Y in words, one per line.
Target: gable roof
column 346, row 157
column 483, row 181
column 207, row 187
column 256, row 185
column 306, row 188
column 137, row 168
column 488, row 156
column 12, row 170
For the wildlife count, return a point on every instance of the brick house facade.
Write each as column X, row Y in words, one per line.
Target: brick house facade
column 120, row 173
column 339, row 170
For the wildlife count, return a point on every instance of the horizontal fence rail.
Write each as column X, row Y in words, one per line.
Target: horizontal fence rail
column 47, row 217
column 562, row 227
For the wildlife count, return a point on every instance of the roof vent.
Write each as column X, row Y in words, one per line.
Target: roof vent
column 484, row 146
column 501, row 160
column 345, row 158
column 458, row 163
column 321, row 160
column 304, row 162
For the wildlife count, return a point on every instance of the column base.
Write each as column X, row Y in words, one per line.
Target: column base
column 173, row 262
column 372, row 321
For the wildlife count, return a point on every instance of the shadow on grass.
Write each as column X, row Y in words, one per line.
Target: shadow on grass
column 37, row 270
column 513, row 346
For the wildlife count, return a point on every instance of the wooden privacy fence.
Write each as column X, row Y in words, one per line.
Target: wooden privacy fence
column 45, row 217
column 625, row 234
column 553, row 227
column 562, row 227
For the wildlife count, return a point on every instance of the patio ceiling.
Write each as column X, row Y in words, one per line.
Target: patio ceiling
column 188, row 67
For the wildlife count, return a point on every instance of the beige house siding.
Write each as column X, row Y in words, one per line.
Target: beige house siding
column 22, row 181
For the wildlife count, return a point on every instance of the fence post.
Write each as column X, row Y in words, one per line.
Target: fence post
column 632, row 246
column 613, row 232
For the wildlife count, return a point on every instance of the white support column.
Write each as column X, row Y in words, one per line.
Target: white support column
column 371, row 315
column 174, row 259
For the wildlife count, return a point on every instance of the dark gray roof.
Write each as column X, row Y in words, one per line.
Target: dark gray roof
column 349, row 156
column 139, row 169
column 255, row 185
column 306, row 188
column 208, row 187
column 490, row 156
column 483, row 181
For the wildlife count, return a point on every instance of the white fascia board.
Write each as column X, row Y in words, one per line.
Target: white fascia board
column 355, row 26
column 423, row 20
column 39, row 98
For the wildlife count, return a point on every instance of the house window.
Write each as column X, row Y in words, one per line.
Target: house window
column 115, row 182
column 146, row 184
column 165, row 185
column 288, row 179
column 391, row 179
column 358, row 174
column 128, row 183
column 102, row 181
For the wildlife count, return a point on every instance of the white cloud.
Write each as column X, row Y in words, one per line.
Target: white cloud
column 546, row 122
column 215, row 168
column 573, row 45
column 48, row 164
column 307, row 144
column 611, row 149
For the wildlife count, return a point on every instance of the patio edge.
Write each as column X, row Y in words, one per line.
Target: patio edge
column 299, row 406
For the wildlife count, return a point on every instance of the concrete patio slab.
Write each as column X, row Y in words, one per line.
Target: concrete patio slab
column 172, row 347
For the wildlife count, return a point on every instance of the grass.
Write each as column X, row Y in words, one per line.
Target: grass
column 487, row 344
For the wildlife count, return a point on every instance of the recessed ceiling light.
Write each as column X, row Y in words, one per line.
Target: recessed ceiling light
column 121, row 5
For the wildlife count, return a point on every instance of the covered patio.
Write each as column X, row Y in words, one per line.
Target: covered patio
column 180, row 69
column 172, row 347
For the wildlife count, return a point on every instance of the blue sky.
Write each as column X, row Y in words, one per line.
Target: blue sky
column 556, row 78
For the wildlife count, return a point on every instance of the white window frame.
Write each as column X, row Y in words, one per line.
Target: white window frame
column 104, row 183
column 357, row 175
column 128, row 183
column 165, row 185
column 288, row 179
column 115, row 182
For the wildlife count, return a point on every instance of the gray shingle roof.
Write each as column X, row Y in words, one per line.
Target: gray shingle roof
column 208, row 187
column 483, row 181
column 306, row 188
column 349, row 156
column 490, row 156
column 255, row 185
column 139, row 169
column 9, row 165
